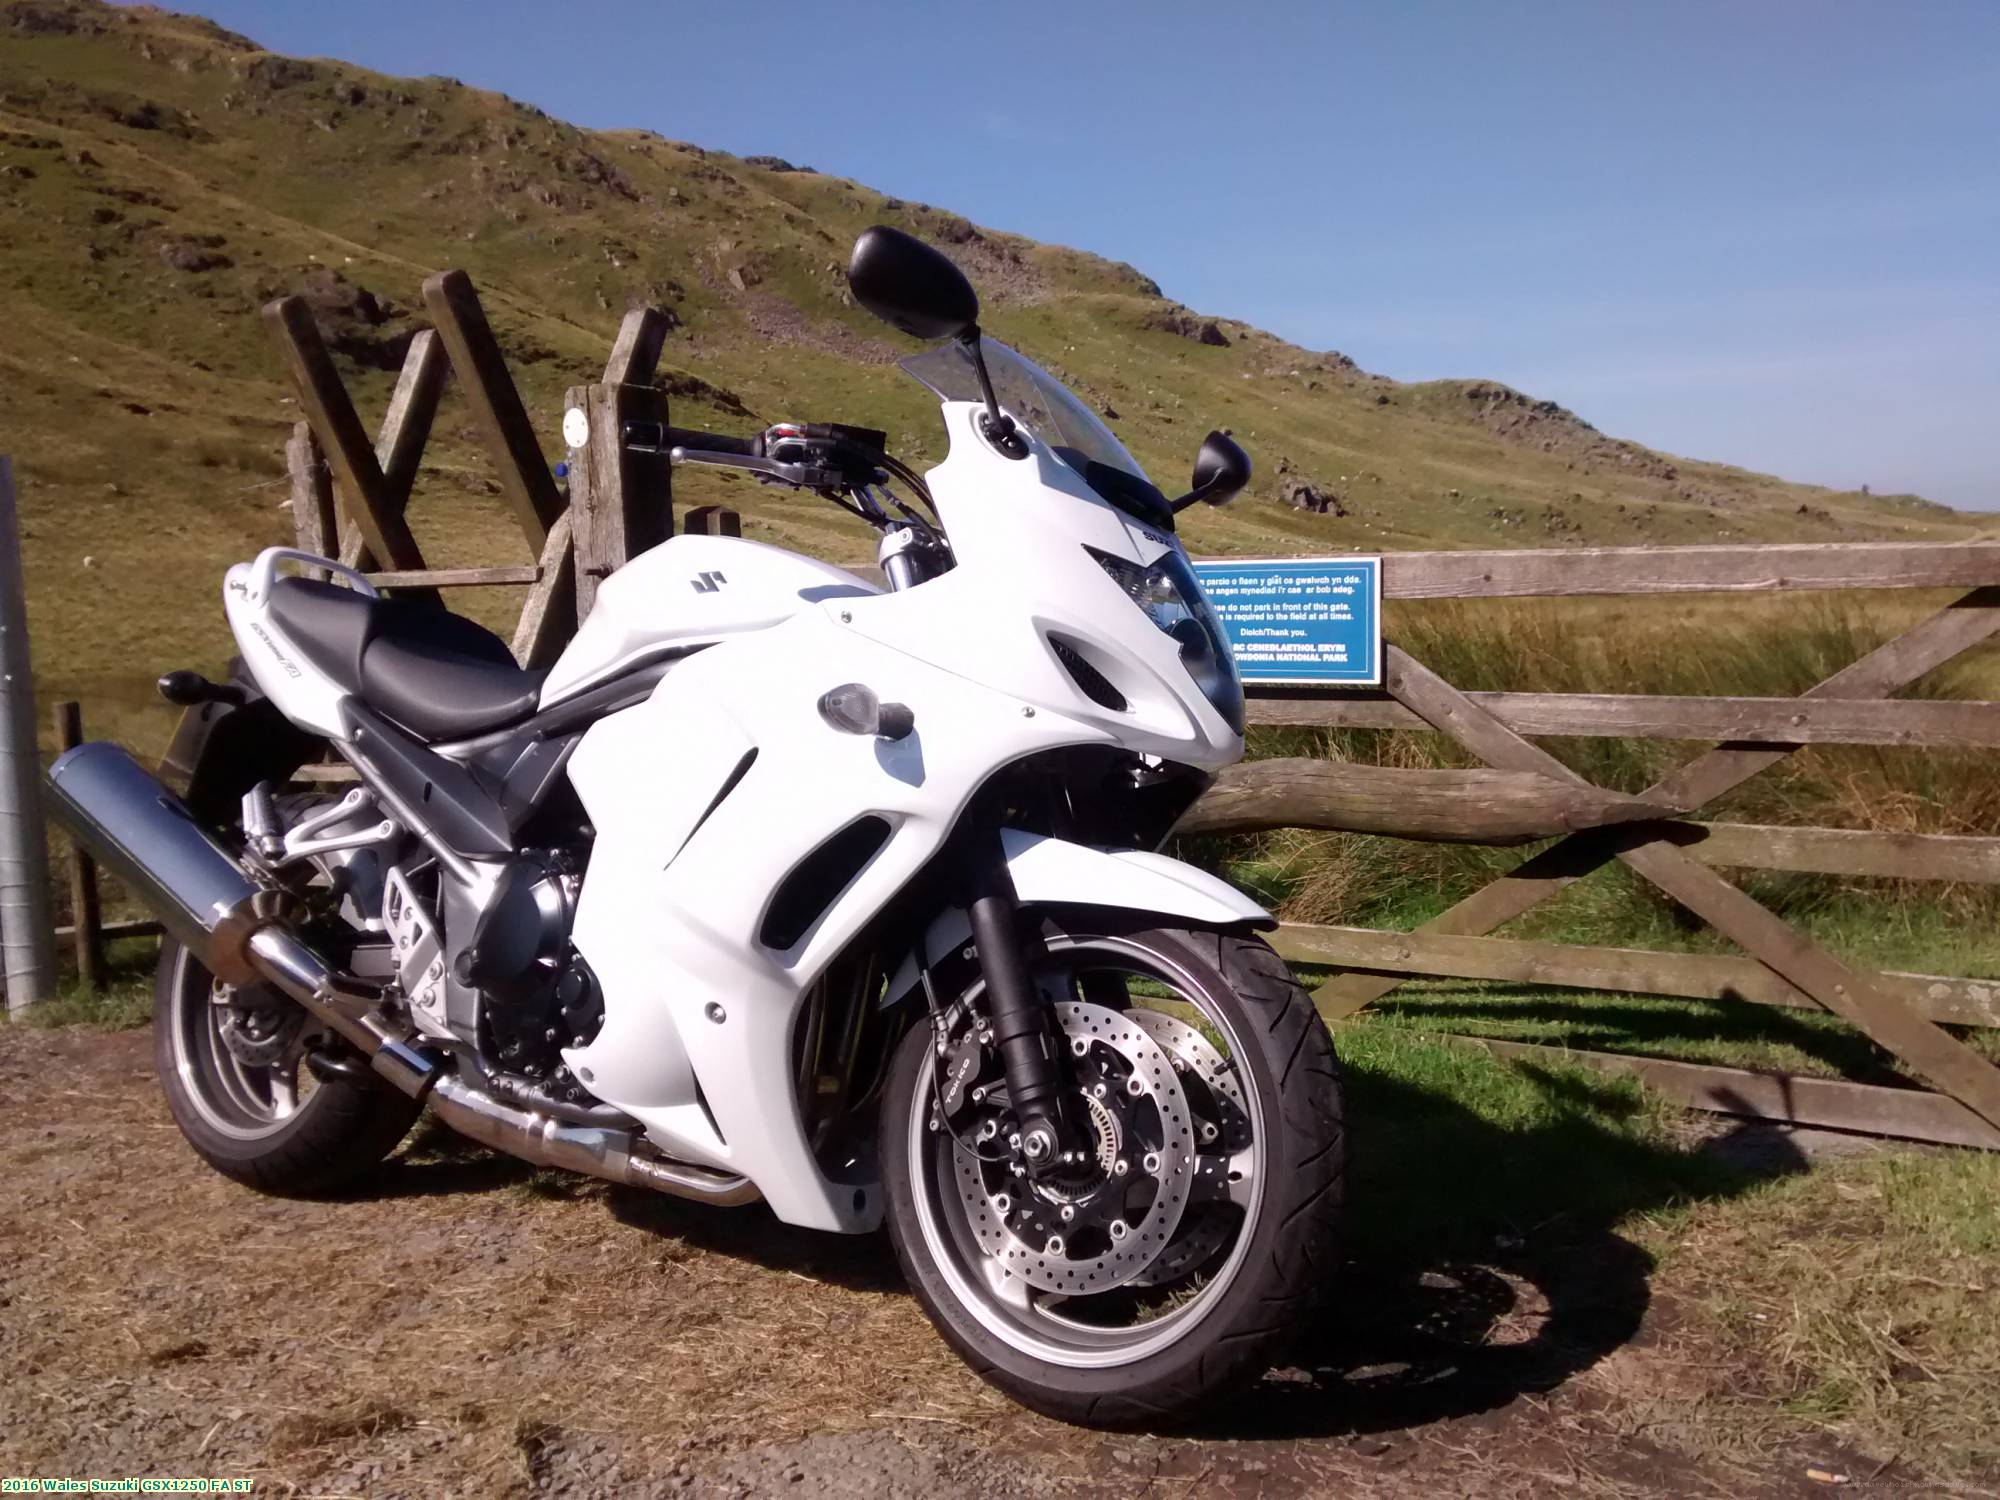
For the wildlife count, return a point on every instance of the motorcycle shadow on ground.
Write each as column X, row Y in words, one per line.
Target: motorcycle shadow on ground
column 1483, row 1261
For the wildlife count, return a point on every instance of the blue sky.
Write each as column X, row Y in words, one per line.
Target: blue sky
column 1763, row 231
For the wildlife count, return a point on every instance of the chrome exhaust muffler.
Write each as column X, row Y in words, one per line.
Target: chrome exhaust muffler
column 208, row 900
column 219, row 912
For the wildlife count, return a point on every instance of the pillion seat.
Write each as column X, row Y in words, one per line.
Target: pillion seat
column 436, row 674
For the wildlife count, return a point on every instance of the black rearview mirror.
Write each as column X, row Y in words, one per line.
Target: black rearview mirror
column 1221, row 470
column 911, row 286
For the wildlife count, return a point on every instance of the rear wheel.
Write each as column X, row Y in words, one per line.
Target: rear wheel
column 234, row 1065
column 1180, row 1253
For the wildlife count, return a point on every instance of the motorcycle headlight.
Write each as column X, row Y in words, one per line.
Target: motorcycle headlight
column 1170, row 596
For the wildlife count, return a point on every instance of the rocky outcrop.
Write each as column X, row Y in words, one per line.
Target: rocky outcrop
column 1300, row 495
column 1184, row 324
column 356, row 324
column 193, row 253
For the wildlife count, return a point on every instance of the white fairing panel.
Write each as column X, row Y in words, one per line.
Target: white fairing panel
column 672, row 928
column 694, row 837
column 691, row 591
column 1055, row 872
column 1019, row 529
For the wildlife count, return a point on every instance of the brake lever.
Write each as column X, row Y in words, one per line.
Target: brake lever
column 800, row 476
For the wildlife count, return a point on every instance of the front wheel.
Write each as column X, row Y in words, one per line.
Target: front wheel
column 1176, row 1258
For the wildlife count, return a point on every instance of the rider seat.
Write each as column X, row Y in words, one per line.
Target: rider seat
column 434, row 673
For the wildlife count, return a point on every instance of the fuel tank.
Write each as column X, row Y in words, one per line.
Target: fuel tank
column 691, row 591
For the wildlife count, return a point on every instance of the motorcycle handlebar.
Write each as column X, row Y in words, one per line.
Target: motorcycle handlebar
column 658, row 437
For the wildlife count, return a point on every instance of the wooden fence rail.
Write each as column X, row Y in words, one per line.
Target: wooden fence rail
column 353, row 495
column 1567, row 572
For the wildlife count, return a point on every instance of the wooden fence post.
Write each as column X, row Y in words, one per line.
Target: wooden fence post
column 713, row 520
column 87, row 912
column 619, row 500
column 27, row 942
column 496, row 405
column 315, row 525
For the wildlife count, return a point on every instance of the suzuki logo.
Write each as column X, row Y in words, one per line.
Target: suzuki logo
column 708, row 583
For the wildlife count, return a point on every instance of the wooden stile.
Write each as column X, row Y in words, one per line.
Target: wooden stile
column 356, row 470
column 620, row 501
column 635, row 353
column 315, row 521
column 459, row 578
column 548, row 618
column 496, row 405
column 713, row 520
column 406, row 428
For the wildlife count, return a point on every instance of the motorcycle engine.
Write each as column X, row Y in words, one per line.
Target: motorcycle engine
column 523, row 1028
column 535, row 994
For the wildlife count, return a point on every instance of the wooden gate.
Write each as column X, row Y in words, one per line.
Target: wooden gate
column 1782, row 966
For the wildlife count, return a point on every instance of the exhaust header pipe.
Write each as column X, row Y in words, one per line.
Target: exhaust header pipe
column 211, row 903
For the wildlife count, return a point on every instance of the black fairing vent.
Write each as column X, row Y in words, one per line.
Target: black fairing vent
column 817, row 880
column 1092, row 683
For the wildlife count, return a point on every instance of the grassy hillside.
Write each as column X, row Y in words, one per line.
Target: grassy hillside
column 160, row 178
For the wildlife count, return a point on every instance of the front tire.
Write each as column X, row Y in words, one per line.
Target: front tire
column 239, row 1088
column 1115, row 1330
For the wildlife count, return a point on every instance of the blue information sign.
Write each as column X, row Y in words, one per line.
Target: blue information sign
column 1300, row 619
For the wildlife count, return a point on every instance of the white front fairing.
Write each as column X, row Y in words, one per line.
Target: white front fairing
column 694, row 835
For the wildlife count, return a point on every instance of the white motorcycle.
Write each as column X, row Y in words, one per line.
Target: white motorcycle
column 781, row 886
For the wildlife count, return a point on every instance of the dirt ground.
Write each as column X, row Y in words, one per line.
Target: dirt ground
column 463, row 1325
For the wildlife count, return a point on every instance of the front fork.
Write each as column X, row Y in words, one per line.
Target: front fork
column 1025, row 1033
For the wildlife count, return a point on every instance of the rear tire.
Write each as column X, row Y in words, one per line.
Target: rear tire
column 282, row 1133
column 1233, row 1317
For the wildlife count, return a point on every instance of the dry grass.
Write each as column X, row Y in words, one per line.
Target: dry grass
column 1550, row 1274
column 1863, row 1301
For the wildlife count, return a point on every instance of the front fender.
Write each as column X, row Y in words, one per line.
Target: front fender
column 1056, row 872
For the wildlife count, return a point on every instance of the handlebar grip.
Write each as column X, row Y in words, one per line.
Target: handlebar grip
column 657, row 437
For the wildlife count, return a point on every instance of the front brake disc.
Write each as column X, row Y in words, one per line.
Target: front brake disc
column 1025, row 1233
column 1222, row 1122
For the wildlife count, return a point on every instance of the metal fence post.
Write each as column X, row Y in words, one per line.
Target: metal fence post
column 27, row 936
